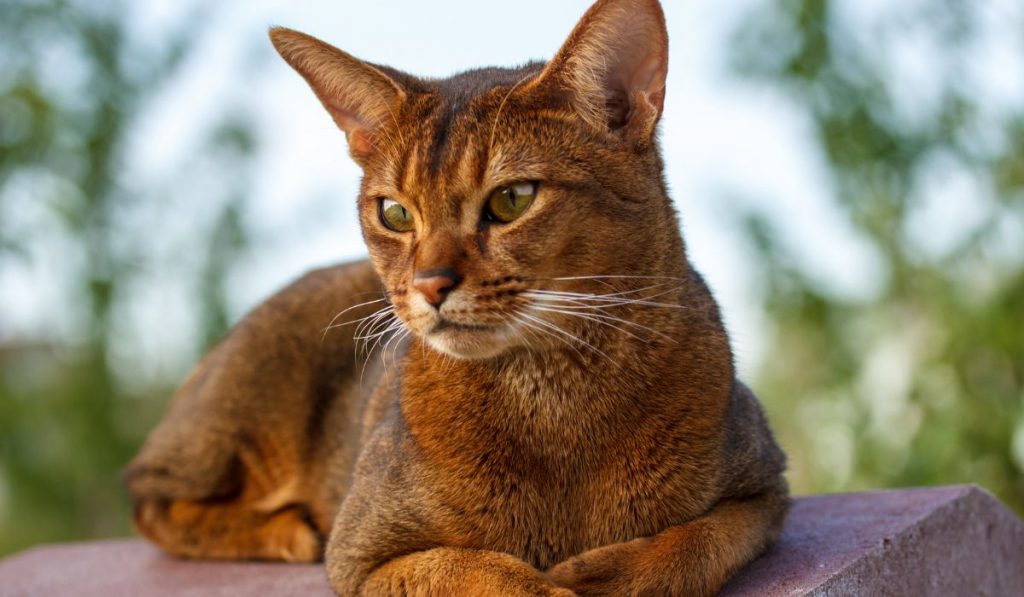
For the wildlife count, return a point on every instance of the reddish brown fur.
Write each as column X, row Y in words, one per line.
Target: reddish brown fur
column 625, row 459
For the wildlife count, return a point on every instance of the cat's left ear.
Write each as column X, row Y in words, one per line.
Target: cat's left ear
column 613, row 67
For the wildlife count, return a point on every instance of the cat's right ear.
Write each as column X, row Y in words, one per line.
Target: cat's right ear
column 358, row 95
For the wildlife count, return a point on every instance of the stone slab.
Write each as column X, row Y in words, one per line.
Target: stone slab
column 134, row 568
column 942, row 541
column 955, row 540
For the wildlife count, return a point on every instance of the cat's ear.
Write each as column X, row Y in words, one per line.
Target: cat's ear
column 613, row 67
column 358, row 95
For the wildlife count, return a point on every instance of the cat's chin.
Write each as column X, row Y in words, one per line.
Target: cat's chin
column 470, row 343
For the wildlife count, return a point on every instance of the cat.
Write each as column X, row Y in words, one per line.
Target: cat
column 548, row 405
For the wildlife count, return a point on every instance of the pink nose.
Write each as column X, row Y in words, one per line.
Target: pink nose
column 435, row 284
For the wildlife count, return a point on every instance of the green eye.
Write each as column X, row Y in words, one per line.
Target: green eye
column 508, row 203
column 394, row 216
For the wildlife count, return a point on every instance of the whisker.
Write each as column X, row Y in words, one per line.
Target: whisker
column 384, row 351
column 545, row 323
column 390, row 327
column 597, row 301
column 630, row 295
column 374, row 331
column 382, row 330
column 615, row 294
column 494, row 125
column 363, row 322
column 589, row 317
column 607, row 320
column 522, row 336
column 575, row 305
column 369, row 329
column 342, row 312
column 615, row 277
column 394, row 353
column 535, row 329
column 585, row 300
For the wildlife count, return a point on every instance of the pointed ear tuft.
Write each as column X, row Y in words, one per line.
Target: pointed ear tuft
column 613, row 66
column 358, row 95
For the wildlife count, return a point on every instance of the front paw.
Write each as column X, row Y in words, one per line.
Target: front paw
column 447, row 571
column 608, row 570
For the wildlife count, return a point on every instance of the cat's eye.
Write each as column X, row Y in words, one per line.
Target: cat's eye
column 508, row 203
column 394, row 216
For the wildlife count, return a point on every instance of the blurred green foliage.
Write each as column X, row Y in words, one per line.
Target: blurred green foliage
column 922, row 381
column 919, row 382
column 73, row 84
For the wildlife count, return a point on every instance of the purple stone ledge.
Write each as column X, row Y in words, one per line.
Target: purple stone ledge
column 944, row 541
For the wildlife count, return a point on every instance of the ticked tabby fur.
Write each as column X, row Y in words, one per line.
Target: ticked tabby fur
column 547, row 405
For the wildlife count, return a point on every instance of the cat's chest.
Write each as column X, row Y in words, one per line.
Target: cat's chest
column 547, row 518
column 523, row 468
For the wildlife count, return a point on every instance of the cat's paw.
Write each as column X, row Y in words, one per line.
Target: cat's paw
column 607, row 570
column 293, row 539
column 446, row 571
column 228, row 530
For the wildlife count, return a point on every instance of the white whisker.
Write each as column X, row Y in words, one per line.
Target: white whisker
column 384, row 351
column 331, row 325
column 608, row 321
column 367, row 330
column 535, row 329
column 547, row 324
column 371, row 321
column 389, row 327
column 600, row 302
column 616, row 277
column 621, row 293
column 371, row 330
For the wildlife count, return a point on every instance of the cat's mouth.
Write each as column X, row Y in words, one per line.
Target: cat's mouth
column 467, row 340
column 445, row 325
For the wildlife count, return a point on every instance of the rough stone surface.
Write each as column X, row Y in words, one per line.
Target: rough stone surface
column 134, row 568
column 942, row 541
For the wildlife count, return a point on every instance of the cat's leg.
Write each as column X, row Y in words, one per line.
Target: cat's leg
column 392, row 537
column 223, row 498
column 238, row 464
column 450, row 571
column 228, row 531
column 233, row 502
column 207, row 486
column 696, row 558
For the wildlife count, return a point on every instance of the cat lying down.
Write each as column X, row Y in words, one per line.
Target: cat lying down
column 526, row 390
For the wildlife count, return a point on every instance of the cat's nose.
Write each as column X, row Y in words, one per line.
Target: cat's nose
column 435, row 284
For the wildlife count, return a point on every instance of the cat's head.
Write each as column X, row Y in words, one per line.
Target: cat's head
column 494, row 200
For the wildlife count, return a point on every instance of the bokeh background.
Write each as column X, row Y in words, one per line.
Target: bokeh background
column 850, row 176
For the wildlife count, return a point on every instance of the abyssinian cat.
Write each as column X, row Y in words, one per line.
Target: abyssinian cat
column 548, row 406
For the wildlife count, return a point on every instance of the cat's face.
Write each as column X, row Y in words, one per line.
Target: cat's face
column 496, row 206
column 488, row 198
